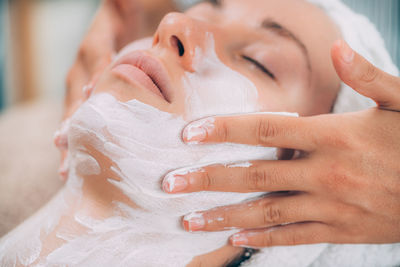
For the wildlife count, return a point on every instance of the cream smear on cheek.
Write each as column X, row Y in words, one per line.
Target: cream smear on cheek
column 213, row 88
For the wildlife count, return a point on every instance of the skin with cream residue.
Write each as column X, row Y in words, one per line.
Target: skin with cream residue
column 240, row 165
column 198, row 128
column 170, row 179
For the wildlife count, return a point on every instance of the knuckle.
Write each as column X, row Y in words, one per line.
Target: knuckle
column 225, row 221
column 338, row 180
column 370, row 75
column 265, row 130
column 271, row 214
column 267, row 239
column 207, row 181
column 222, row 132
column 337, row 141
column 255, row 179
column 294, row 238
column 334, row 138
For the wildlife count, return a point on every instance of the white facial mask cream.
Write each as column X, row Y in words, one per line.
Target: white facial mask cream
column 144, row 144
column 213, row 88
column 129, row 135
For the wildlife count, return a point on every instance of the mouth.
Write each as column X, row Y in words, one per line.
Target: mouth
column 141, row 68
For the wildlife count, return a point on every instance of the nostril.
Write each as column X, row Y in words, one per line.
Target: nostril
column 175, row 42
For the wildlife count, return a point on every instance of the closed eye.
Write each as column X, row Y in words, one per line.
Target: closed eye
column 216, row 3
column 259, row 66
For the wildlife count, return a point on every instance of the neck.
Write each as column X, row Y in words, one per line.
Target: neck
column 125, row 141
column 113, row 199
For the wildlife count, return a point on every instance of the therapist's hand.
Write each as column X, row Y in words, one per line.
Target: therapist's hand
column 116, row 24
column 344, row 187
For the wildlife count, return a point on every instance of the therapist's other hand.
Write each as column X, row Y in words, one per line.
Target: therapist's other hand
column 116, row 23
column 343, row 188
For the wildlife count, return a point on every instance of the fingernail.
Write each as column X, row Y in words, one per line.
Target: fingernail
column 174, row 183
column 193, row 221
column 197, row 131
column 239, row 240
column 346, row 52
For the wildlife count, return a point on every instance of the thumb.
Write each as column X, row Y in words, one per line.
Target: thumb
column 365, row 78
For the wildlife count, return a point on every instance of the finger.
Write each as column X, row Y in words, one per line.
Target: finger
column 95, row 53
column 254, row 129
column 266, row 212
column 255, row 176
column 61, row 135
column 287, row 235
column 365, row 78
column 76, row 79
column 63, row 171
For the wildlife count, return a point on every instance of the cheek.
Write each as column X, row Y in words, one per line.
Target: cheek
column 272, row 98
column 214, row 88
column 276, row 100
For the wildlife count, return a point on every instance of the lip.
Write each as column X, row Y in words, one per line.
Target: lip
column 140, row 67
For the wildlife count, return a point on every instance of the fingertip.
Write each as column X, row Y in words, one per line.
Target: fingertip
column 198, row 131
column 173, row 183
column 185, row 225
column 193, row 222
column 239, row 240
column 346, row 52
column 345, row 62
column 342, row 57
column 336, row 47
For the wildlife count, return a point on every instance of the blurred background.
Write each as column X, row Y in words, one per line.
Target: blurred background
column 38, row 43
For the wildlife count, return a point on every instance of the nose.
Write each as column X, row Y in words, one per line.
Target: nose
column 180, row 34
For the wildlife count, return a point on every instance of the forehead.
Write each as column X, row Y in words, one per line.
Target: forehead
column 294, row 14
column 307, row 22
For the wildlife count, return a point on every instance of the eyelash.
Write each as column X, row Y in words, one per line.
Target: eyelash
column 259, row 66
column 215, row 2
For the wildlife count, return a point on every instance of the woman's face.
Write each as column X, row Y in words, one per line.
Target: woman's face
column 273, row 52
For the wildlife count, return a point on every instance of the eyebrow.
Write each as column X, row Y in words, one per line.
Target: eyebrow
column 275, row 27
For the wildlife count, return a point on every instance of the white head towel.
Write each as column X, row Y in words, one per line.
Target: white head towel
column 364, row 38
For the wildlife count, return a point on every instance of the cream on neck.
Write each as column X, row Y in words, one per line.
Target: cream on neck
column 142, row 144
